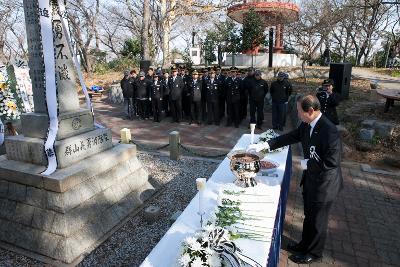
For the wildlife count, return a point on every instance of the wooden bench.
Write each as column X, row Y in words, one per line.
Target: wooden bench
column 391, row 95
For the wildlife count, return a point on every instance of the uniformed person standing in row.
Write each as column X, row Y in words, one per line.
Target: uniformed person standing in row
column 213, row 99
column 289, row 88
column 232, row 94
column 204, row 79
column 186, row 93
column 149, row 77
column 329, row 101
column 221, row 91
column 195, row 89
column 257, row 92
column 279, row 95
column 248, row 83
column 156, row 93
column 244, row 95
column 142, row 95
column 165, row 101
column 176, row 86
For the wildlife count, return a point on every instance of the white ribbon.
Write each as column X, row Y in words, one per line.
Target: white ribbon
column 46, row 29
column 313, row 154
column 228, row 249
column 1, row 132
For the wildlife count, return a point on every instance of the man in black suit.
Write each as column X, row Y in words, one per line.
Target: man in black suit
column 175, row 89
column 322, row 175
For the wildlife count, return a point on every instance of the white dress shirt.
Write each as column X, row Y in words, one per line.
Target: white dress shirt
column 314, row 122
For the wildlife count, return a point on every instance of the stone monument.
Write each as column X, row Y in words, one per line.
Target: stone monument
column 97, row 183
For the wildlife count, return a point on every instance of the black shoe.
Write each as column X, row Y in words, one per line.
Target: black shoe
column 236, row 126
column 228, row 125
column 293, row 247
column 259, row 127
column 281, row 128
column 304, row 258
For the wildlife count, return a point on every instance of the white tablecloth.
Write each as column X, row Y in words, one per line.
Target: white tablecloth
column 167, row 251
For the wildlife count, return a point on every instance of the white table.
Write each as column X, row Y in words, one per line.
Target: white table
column 167, row 251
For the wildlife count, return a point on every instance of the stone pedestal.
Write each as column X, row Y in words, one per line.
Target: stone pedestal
column 63, row 215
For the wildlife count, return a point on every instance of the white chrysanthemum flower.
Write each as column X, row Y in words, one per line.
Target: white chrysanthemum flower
column 190, row 241
column 185, row 260
column 197, row 262
column 214, row 261
column 209, row 251
column 196, row 246
column 209, row 227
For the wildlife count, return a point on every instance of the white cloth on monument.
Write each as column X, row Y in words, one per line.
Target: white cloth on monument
column 50, row 85
column 1, row 132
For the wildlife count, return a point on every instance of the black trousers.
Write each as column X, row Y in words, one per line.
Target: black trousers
column 195, row 112
column 278, row 115
column 257, row 106
column 186, row 105
column 143, row 108
column 315, row 226
column 221, row 101
column 165, row 105
column 213, row 112
column 233, row 110
column 204, row 110
column 244, row 101
column 176, row 110
column 156, row 105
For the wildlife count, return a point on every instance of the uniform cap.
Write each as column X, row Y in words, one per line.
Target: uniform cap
column 142, row 74
column 327, row 82
column 281, row 75
column 126, row 73
column 195, row 72
column 258, row 73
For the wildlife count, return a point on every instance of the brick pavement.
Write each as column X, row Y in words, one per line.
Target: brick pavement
column 364, row 223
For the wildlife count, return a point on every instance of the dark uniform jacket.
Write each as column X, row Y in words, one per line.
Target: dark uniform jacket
column 157, row 90
column 165, row 85
column 142, row 88
column 127, row 88
column 212, row 90
column 186, row 81
column 322, row 180
column 280, row 91
column 259, row 89
column 176, row 87
column 196, row 88
column 329, row 104
column 232, row 89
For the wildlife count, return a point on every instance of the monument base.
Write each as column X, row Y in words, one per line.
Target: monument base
column 68, row 151
column 64, row 215
column 35, row 125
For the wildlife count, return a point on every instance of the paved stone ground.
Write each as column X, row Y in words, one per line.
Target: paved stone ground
column 363, row 227
column 204, row 138
column 385, row 81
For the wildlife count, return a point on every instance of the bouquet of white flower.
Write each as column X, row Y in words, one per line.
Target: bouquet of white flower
column 197, row 249
column 266, row 136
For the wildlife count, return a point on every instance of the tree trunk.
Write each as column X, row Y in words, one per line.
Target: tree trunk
column 145, row 30
column 167, row 19
column 96, row 32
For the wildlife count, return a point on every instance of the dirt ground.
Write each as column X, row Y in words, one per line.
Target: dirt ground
column 363, row 103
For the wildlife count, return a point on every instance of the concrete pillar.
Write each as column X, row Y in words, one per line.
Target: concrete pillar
column 278, row 39
column 174, row 145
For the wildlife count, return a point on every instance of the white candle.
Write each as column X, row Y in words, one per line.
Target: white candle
column 252, row 128
column 201, row 185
